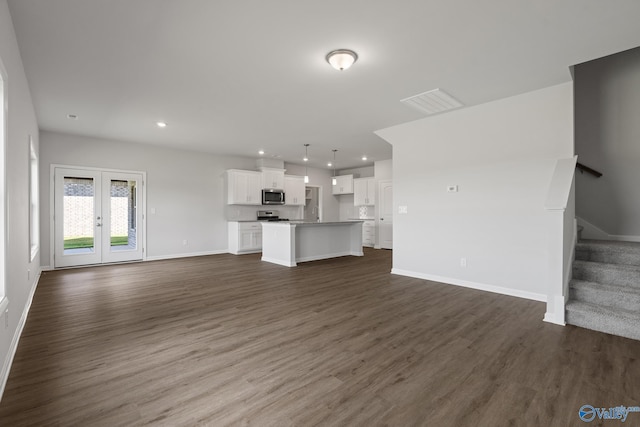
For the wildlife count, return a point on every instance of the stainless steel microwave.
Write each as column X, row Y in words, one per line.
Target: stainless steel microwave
column 271, row 196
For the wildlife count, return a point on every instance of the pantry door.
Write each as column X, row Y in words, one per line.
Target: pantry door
column 98, row 217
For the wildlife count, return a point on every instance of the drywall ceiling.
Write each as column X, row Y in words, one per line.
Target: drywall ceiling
column 233, row 77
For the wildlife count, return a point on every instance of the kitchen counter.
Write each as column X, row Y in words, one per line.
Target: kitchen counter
column 287, row 243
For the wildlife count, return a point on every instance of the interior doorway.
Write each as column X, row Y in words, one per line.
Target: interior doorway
column 385, row 215
column 313, row 203
column 98, row 217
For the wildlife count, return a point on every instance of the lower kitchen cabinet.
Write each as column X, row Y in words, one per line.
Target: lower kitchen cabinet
column 244, row 237
column 369, row 233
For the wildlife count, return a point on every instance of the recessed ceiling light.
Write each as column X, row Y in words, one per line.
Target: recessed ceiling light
column 364, row 158
column 261, row 152
column 161, row 124
column 72, row 116
column 329, row 164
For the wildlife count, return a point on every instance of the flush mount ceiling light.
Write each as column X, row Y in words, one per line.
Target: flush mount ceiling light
column 72, row 116
column 341, row 59
column 161, row 124
column 261, row 152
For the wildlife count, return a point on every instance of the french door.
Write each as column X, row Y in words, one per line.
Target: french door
column 98, row 217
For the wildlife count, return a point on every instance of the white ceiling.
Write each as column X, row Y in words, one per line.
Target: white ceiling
column 236, row 76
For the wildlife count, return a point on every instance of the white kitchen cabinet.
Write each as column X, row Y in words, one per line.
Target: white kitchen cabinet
column 273, row 178
column 244, row 187
column 294, row 190
column 369, row 233
column 244, row 237
column 364, row 192
column 344, row 185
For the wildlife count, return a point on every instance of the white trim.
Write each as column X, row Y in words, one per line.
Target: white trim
column 279, row 262
column 192, row 254
column 327, row 256
column 557, row 317
column 473, row 285
column 6, row 368
column 591, row 231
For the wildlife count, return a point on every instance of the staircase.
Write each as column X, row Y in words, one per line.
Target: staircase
column 604, row 293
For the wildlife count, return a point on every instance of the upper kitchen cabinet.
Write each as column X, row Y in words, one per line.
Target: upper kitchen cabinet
column 244, row 187
column 344, row 185
column 294, row 190
column 364, row 192
column 273, row 178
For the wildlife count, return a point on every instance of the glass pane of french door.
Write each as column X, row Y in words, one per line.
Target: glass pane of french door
column 122, row 216
column 77, row 217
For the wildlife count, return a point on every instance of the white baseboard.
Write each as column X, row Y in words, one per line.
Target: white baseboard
column 279, row 262
column 333, row 255
column 473, row 285
column 192, row 254
column 591, row 231
column 6, row 368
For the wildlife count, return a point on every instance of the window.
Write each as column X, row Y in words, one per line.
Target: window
column 3, row 199
column 34, row 217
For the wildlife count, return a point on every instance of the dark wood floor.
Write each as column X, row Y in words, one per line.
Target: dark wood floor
column 230, row 340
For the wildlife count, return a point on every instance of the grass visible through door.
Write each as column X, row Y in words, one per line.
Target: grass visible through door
column 87, row 242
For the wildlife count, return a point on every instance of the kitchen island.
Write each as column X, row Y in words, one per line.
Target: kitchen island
column 287, row 243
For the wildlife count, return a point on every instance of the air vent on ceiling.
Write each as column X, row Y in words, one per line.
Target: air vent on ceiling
column 432, row 102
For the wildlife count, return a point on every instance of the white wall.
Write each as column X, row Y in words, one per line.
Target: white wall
column 607, row 94
column 21, row 123
column 322, row 178
column 501, row 155
column 185, row 188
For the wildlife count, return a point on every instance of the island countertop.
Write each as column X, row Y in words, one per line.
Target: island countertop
column 307, row 222
column 289, row 242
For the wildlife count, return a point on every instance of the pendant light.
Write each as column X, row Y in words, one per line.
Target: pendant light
column 306, row 159
column 334, row 181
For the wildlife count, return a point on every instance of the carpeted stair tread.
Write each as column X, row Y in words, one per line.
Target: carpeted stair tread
column 611, row 252
column 625, row 297
column 612, row 274
column 616, row 321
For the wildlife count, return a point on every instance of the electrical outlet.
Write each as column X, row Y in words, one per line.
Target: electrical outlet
column 402, row 209
column 463, row 262
column 452, row 188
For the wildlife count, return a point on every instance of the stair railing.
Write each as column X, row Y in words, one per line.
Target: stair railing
column 582, row 168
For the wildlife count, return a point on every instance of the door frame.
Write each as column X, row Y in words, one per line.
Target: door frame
column 379, row 214
column 52, row 171
column 320, row 209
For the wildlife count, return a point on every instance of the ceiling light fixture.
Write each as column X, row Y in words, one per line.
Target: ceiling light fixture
column 341, row 59
column 364, row 158
column 261, row 152
column 161, row 124
column 334, row 181
column 72, row 116
column 306, row 158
